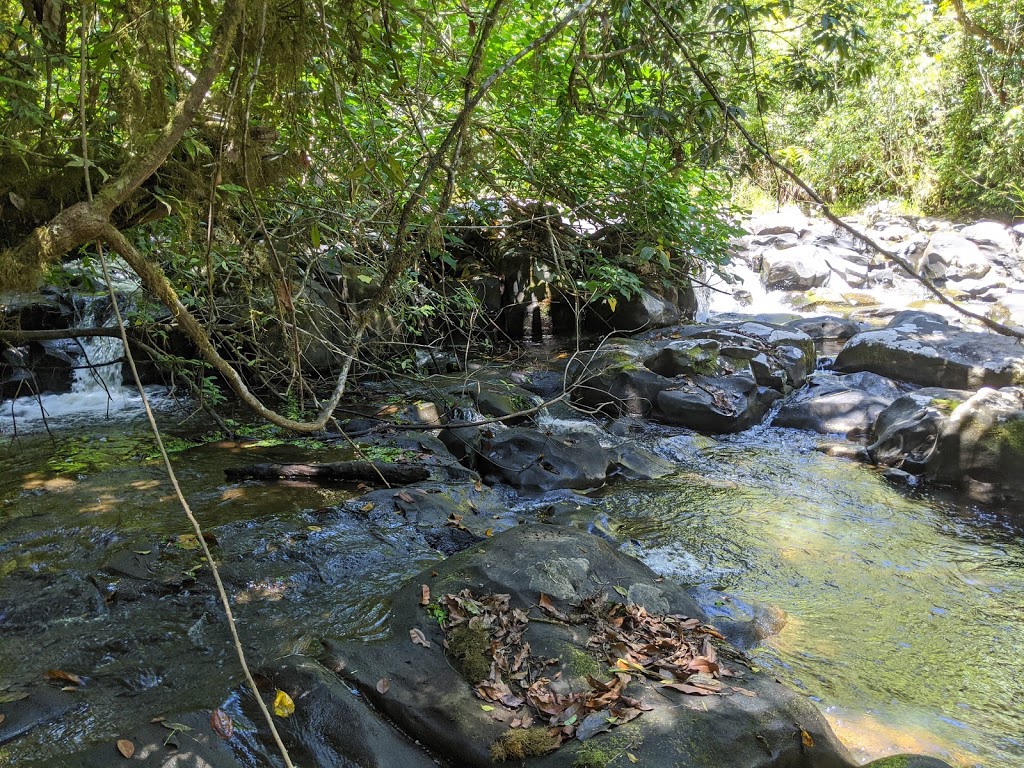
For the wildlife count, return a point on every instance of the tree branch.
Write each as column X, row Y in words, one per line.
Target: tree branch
column 730, row 117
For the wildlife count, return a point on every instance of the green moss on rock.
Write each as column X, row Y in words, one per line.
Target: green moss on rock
column 468, row 646
column 520, row 743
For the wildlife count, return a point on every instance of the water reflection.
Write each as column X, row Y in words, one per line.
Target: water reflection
column 905, row 611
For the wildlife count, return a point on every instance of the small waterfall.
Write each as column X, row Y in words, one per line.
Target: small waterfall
column 101, row 356
column 97, row 390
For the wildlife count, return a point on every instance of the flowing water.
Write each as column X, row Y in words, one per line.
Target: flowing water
column 904, row 613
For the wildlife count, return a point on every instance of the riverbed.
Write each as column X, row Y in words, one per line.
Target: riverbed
column 901, row 613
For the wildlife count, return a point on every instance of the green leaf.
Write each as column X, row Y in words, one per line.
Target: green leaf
column 621, row 590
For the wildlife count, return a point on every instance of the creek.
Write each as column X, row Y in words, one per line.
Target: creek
column 904, row 613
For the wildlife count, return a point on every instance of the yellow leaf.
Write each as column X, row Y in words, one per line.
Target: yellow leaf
column 283, row 704
column 612, row 303
column 631, row 757
column 806, row 739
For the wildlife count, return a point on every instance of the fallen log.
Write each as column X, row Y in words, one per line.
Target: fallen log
column 364, row 471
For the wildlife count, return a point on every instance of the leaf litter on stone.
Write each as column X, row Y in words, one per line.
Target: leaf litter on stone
column 675, row 652
column 126, row 748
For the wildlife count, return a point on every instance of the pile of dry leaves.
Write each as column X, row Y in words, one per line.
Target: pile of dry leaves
column 485, row 638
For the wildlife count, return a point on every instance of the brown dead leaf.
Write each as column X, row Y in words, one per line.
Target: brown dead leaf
column 806, row 739
column 2, row 718
column 222, row 724
column 126, row 748
column 419, row 638
column 383, row 685
column 548, row 607
column 406, row 497
column 424, row 594
column 66, row 677
column 744, row 691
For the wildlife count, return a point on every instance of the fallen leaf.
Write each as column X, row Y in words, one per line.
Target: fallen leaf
column 383, row 685
column 744, row 691
column 2, row 718
column 142, row 551
column 67, row 677
column 621, row 590
column 126, row 748
column 418, row 637
column 407, row 498
column 314, row 528
column 187, row 541
column 489, row 532
column 221, row 723
column 806, row 739
column 283, row 704
column 7, row 698
column 424, row 594
column 486, row 707
column 367, row 507
column 631, row 757
column 175, row 726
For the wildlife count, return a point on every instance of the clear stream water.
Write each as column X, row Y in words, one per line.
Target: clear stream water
column 904, row 612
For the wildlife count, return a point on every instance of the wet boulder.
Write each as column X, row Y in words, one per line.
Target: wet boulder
column 712, row 378
column 826, row 327
column 980, row 446
column 795, row 269
column 905, row 432
column 39, row 367
column 331, row 726
column 630, row 314
column 541, row 461
column 921, row 348
column 995, row 240
column 837, row 404
column 717, row 405
column 470, row 690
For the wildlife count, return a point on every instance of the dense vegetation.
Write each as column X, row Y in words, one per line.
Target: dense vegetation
column 286, row 175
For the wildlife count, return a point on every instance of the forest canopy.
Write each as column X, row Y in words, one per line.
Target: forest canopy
column 234, row 152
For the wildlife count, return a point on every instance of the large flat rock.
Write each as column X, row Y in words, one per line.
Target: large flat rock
column 754, row 721
column 921, row 348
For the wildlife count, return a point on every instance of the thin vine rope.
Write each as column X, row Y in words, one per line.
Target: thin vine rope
column 151, row 418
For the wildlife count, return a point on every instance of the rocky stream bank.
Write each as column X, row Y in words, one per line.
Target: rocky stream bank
column 496, row 622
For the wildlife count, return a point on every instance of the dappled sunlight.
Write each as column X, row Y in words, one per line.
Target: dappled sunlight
column 38, row 481
column 870, row 737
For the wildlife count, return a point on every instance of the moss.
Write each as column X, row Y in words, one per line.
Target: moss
column 592, row 756
column 896, row 761
column 468, row 646
column 1011, row 435
column 521, row 743
column 581, row 663
column 946, row 405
